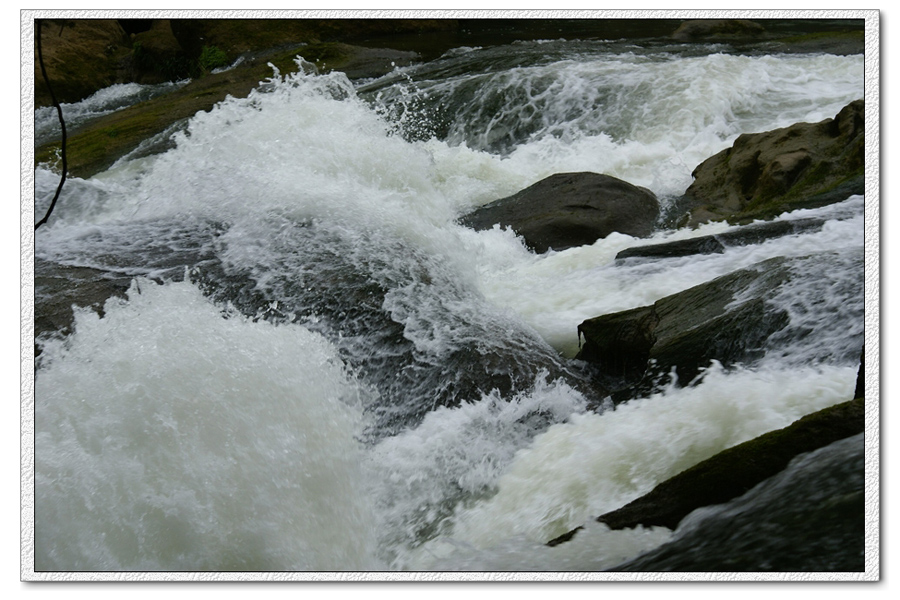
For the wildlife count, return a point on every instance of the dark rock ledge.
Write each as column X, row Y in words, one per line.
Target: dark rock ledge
column 734, row 471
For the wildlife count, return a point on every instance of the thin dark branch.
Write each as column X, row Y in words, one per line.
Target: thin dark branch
column 62, row 124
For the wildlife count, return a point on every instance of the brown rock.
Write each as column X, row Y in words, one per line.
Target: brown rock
column 763, row 174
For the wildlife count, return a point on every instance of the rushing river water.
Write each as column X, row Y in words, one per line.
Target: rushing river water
column 317, row 368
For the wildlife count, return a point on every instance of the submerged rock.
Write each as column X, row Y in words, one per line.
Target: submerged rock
column 764, row 174
column 718, row 320
column 58, row 288
column 809, row 517
column 571, row 209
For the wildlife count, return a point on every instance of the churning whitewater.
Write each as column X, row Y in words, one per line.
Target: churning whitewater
column 317, row 368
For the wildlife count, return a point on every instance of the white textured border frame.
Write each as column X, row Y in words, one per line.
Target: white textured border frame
column 873, row 494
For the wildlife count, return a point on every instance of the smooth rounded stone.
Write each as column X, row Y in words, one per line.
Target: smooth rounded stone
column 765, row 174
column 810, row 517
column 571, row 209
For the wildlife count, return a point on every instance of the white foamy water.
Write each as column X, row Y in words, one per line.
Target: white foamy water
column 171, row 435
column 177, row 433
column 553, row 290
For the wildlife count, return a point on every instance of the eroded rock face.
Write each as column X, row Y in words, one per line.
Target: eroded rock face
column 763, row 174
column 571, row 209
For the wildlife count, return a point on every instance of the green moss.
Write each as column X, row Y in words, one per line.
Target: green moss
column 211, row 57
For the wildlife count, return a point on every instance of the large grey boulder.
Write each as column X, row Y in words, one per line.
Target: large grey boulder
column 571, row 209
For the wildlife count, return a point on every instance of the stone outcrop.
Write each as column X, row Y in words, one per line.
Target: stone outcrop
column 717, row 320
column 80, row 56
column 764, row 174
column 571, row 209
column 85, row 55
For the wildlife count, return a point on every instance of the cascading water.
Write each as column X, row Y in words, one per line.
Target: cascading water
column 317, row 368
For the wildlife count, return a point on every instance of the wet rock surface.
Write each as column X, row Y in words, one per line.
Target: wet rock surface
column 809, row 517
column 571, row 209
column 736, row 470
column 725, row 319
column 58, row 288
column 716, row 244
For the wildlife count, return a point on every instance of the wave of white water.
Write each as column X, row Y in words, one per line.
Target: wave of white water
column 173, row 435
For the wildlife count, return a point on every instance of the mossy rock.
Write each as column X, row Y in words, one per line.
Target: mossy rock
column 97, row 145
column 852, row 41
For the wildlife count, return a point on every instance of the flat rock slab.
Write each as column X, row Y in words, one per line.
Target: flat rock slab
column 571, row 209
column 716, row 244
